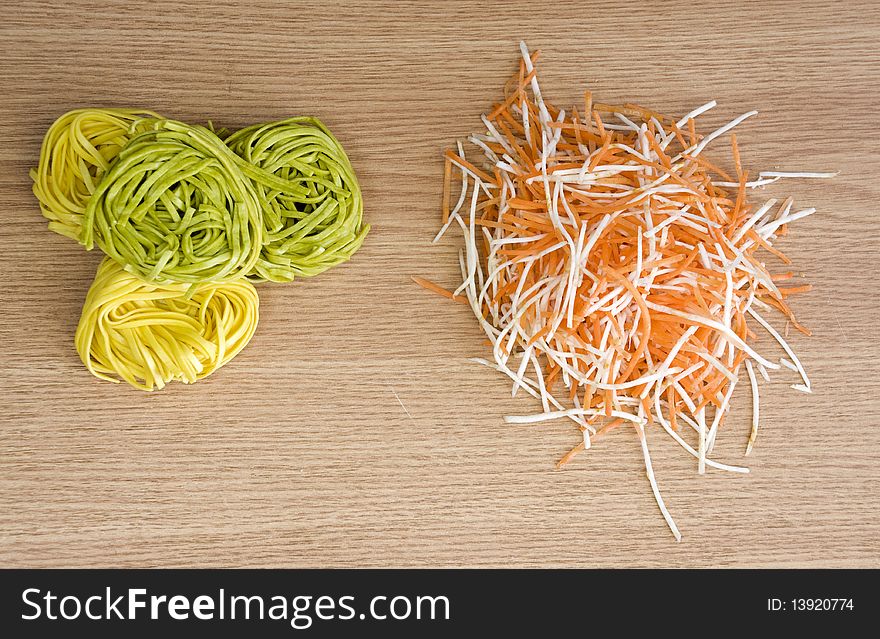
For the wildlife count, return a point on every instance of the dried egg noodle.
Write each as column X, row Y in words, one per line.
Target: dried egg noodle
column 150, row 334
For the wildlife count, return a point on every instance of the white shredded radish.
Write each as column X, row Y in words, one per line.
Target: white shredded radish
column 755, row 407
column 649, row 471
column 797, row 174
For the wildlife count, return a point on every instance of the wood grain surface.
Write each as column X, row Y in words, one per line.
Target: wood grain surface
column 353, row 431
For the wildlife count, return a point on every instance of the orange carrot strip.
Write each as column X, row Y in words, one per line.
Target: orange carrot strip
column 447, row 188
column 485, row 177
column 436, row 288
column 570, row 455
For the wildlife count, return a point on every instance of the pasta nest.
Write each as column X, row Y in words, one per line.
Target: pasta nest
column 175, row 207
column 77, row 151
column 150, row 334
column 309, row 195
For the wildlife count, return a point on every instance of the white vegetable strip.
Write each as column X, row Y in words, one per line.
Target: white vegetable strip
column 649, row 470
column 755, row 407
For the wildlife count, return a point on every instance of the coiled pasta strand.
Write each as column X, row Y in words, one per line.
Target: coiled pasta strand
column 150, row 334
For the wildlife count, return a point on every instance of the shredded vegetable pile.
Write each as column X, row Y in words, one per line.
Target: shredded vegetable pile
column 618, row 274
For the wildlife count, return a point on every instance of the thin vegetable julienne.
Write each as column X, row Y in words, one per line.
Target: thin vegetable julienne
column 614, row 269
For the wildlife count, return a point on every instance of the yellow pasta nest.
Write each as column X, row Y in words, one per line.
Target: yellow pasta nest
column 150, row 334
column 77, row 151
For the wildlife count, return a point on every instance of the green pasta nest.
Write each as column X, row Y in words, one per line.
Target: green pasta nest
column 175, row 207
column 309, row 196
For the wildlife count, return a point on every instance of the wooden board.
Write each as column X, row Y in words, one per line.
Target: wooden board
column 353, row 431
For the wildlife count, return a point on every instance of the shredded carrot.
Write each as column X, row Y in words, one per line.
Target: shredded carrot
column 736, row 159
column 796, row 289
column 447, row 188
column 464, row 163
column 570, row 455
column 608, row 427
column 436, row 288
